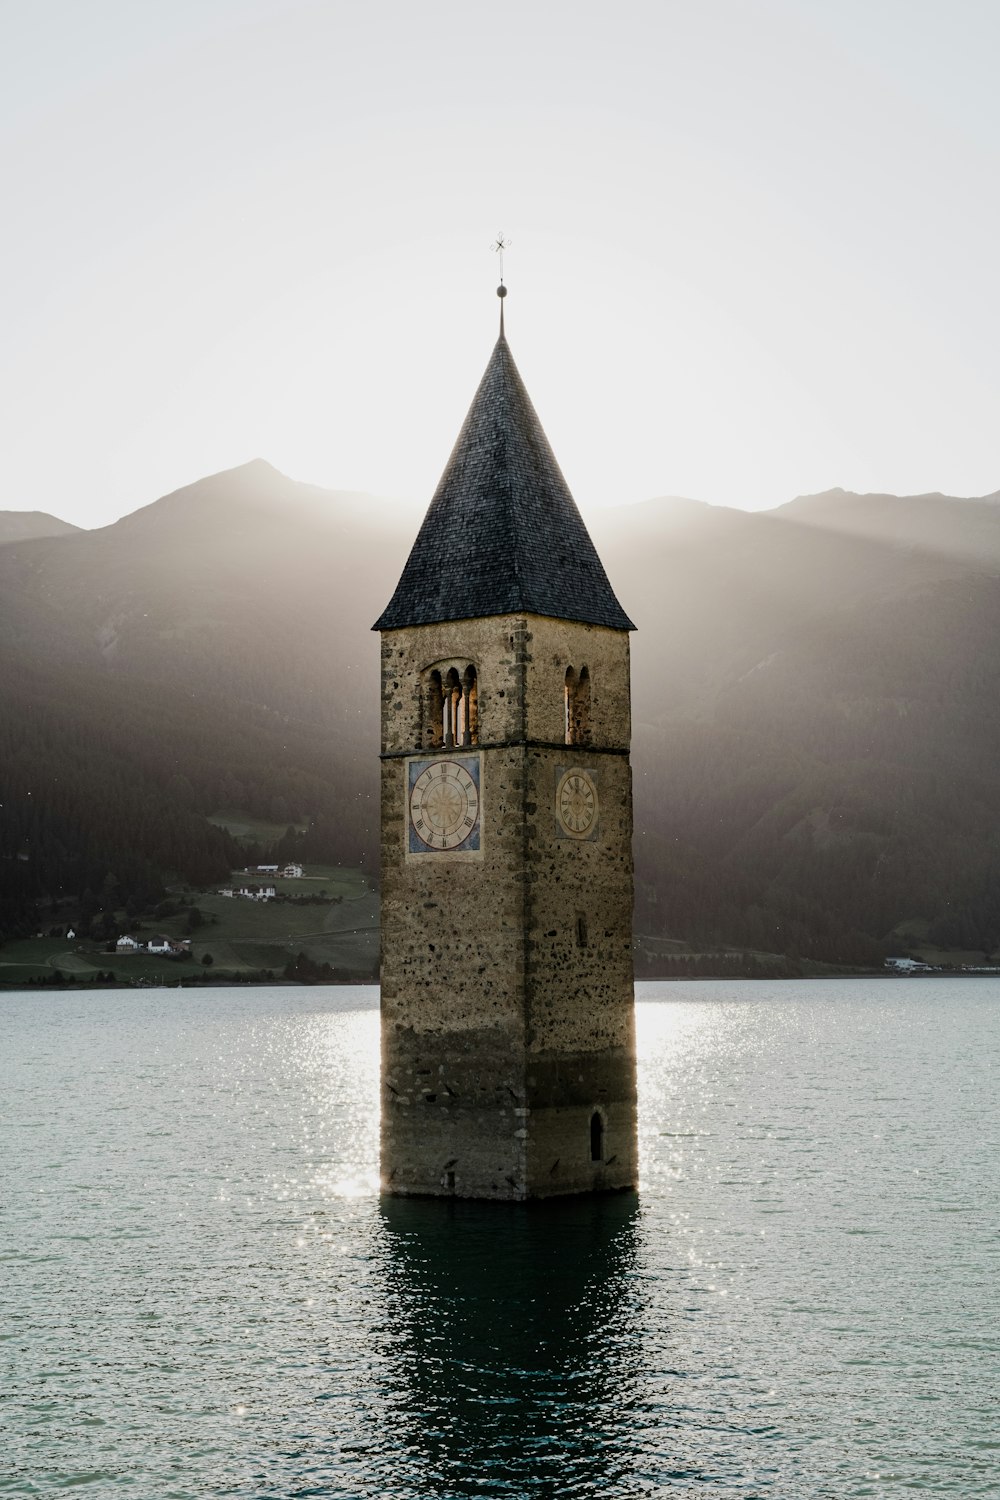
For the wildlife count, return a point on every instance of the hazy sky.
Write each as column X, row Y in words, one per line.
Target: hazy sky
column 755, row 245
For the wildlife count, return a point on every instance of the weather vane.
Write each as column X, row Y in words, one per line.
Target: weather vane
column 500, row 246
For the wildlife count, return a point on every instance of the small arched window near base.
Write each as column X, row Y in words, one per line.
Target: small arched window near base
column 596, row 1136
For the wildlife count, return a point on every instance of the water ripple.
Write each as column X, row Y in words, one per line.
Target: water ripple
column 204, row 1296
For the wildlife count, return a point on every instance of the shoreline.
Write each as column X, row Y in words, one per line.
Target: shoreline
column 231, row 982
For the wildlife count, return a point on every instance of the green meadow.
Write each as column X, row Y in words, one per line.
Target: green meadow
column 242, row 937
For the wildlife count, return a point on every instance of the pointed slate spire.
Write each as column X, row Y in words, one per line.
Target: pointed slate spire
column 502, row 534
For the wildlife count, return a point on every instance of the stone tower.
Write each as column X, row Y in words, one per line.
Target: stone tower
column 508, row 1043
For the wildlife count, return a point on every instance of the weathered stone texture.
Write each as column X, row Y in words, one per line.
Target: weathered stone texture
column 507, row 997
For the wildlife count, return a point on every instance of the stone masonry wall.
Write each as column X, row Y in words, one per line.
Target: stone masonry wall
column 506, row 975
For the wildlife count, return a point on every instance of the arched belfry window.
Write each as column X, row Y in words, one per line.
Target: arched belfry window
column 582, row 715
column 433, row 729
column 470, row 707
column 577, row 706
column 451, row 707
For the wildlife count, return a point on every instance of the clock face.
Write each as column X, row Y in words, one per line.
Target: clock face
column 577, row 804
column 444, row 805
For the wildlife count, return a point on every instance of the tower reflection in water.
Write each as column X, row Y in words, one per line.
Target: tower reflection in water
column 507, row 1355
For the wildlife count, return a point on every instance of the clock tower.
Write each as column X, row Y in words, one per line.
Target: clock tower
column 508, row 1041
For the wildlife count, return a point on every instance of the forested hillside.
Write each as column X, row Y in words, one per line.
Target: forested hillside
column 207, row 652
column 814, row 692
column 817, row 723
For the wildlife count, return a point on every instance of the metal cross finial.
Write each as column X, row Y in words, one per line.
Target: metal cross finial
column 500, row 246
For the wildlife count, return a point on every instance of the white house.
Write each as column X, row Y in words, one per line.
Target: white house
column 162, row 944
column 292, row 872
column 126, row 944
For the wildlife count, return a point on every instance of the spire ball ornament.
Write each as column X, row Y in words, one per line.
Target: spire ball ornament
column 501, row 290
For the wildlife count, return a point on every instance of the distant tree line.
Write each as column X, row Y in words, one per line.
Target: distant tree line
column 106, row 792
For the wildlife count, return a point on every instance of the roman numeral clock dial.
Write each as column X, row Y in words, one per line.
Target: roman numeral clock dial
column 576, row 804
column 443, row 806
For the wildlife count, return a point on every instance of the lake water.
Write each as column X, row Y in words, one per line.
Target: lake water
column 203, row 1295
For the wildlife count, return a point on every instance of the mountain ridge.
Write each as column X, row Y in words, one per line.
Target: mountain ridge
column 664, row 504
column 814, row 735
column 26, row 525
